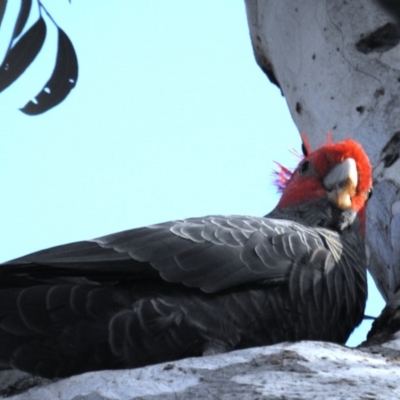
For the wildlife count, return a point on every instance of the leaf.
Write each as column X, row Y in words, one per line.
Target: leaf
column 22, row 54
column 22, row 17
column 3, row 4
column 62, row 80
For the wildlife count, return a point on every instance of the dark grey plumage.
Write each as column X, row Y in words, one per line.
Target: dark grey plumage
column 183, row 288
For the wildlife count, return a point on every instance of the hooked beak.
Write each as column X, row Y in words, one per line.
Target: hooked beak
column 341, row 183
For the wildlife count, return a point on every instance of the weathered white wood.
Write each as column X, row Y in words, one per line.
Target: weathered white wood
column 331, row 84
column 304, row 370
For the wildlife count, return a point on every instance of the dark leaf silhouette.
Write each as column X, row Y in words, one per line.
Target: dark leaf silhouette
column 62, row 80
column 2, row 9
column 23, row 49
column 22, row 17
column 22, row 54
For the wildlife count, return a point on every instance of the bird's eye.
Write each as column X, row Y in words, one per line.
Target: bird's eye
column 369, row 193
column 304, row 167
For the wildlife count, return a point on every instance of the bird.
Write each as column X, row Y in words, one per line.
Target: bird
column 199, row 286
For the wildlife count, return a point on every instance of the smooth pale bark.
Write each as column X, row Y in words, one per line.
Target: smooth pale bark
column 304, row 370
column 338, row 65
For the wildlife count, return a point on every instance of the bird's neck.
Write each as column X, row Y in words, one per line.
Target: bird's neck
column 320, row 213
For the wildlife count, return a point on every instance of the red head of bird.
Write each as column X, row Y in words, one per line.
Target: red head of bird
column 340, row 172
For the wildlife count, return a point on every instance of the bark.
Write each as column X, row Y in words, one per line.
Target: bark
column 337, row 63
column 304, row 370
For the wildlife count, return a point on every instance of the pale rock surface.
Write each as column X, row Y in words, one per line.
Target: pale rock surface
column 304, row 370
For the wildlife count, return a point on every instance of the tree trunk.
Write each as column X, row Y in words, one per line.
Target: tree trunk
column 303, row 370
column 337, row 63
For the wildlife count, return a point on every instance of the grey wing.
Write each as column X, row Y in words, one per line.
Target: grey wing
column 217, row 252
column 212, row 253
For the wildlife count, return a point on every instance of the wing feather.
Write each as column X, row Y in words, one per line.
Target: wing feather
column 212, row 253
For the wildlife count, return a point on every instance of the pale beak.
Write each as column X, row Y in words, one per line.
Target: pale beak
column 341, row 183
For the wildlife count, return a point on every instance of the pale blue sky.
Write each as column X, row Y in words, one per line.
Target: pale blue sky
column 171, row 118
